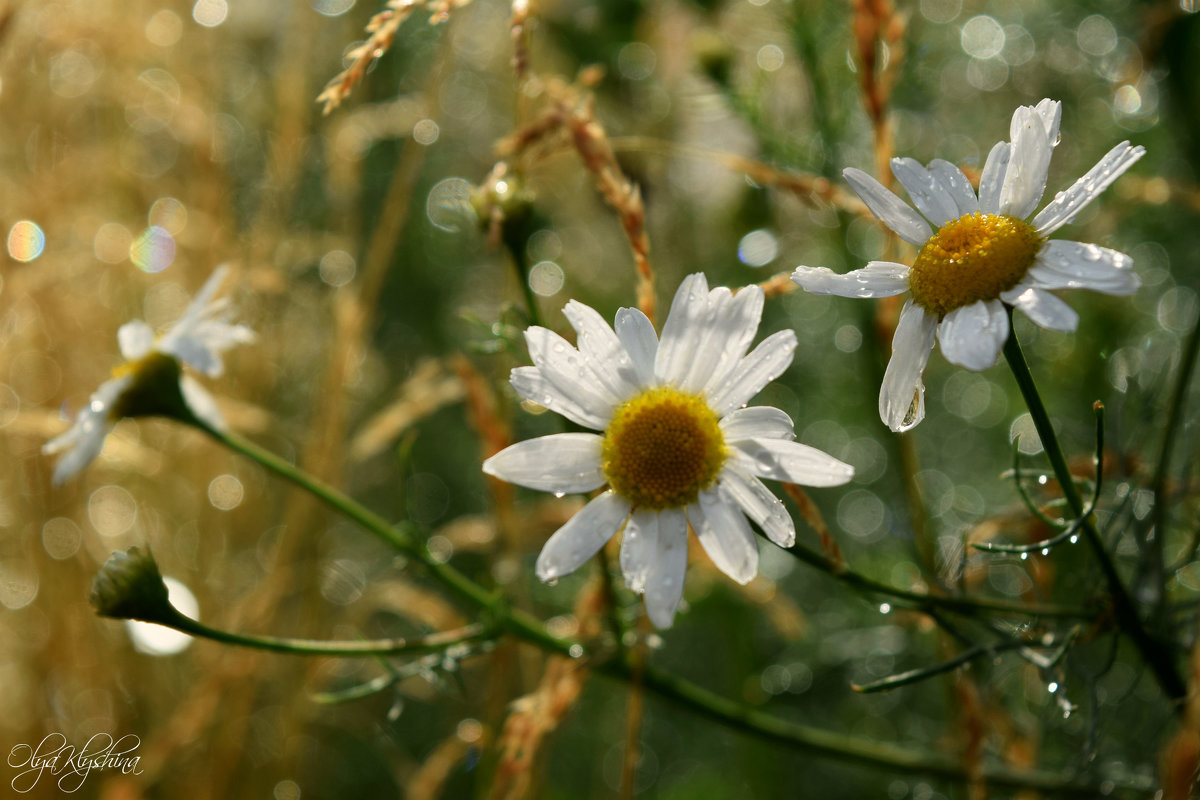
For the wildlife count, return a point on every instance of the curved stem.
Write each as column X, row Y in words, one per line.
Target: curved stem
column 847, row 748
column 314, row 647
column 925, row 601
column 1156, row 654
column 524, row 626
column 1158, row 484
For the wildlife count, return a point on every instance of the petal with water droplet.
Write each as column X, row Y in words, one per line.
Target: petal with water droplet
column 561, row 462
column 582, row 536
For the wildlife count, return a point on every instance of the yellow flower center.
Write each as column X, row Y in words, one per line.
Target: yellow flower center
column 972, row 258
column 662, row 448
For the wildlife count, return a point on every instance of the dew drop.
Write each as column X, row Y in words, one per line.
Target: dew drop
column 1074, row 538
column 560, row 495
column 576, row 651
column 885, row 608
column 1052, row 687
column 1045, row 551
column 1024, row 556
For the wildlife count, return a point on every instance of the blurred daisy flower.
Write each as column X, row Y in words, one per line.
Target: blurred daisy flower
column 980, row 256
column 677, row 445
column 150, row 381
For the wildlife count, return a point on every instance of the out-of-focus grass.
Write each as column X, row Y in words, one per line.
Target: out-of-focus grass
column 152, row 141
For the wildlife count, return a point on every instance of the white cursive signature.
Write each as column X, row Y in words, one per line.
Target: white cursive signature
column 70, row 765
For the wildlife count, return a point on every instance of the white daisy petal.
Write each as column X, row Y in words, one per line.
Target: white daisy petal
column 1042, row 307
column 664, row 586
column 86, row 443
column 1068, row 203
column 972, row 336
column 902, row 394
column 1074, row 265
column 725, row 535
column 925, row 190
column 636, row 332
column 681, row 330
column 530, row 383
column 757, row 422
column 135, row 339
column 84, row 440
column 201, row 403
column 605, row 356
column 194, row 352
column 563, row 366
column 728, row 339
column 203, row 298
column 954, row 183
column 890, row 209
column 581, row 537
column 704, row 351
column 876, row 279
column 560, row 463
column 760, row 504
column 991, row 182
column 639, row 548
column 764, row 364
column 790, row 462
column 1050, row 113
column 1029, row 164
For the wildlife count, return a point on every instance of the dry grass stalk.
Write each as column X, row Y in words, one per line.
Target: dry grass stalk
column 430, row 778
column 811, row 189
column 536, row 715
column 571, row 118
column 381, row 32
column 970, row 712
column 778, row 285
column 520, row 35
column 812, row 515
column 430, row 388
column 876, row 23
column 1180, row 760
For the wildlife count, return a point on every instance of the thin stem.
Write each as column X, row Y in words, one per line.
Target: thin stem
column 1072, row 531
column 1158, row 484
column 844, row 747
column 1156, row 654
column 925, row 601
column 922, row 673
column 514, row 621
column 700, row 700
column 314, row 647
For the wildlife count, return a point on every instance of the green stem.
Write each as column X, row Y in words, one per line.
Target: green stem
column 1158, row 484
column 847, row 748
column 315, row 647
column 1156, row 654
column 699, row 700
column 925, row 601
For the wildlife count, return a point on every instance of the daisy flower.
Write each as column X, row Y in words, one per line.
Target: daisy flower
column 676, row 447
column 150, row 381
column 981, row 255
